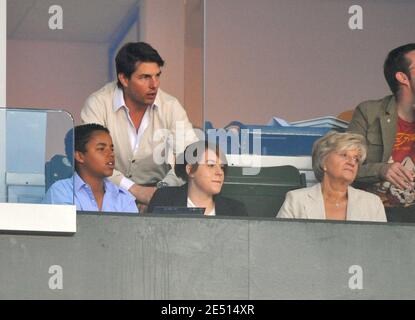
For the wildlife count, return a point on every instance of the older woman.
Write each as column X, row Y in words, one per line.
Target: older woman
column 203, row 166
column 336, row 158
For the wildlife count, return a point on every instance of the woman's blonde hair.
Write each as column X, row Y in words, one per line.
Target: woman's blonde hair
column 336, row 141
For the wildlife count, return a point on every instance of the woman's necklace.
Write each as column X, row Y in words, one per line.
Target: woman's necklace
column 337, row 203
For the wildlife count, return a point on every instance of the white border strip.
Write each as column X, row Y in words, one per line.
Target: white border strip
column 37, row 218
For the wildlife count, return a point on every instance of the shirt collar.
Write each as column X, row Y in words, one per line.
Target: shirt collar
column 78, row 182
column 109, row 186
column 190, row 204
column 119, row 102
column 118, row 99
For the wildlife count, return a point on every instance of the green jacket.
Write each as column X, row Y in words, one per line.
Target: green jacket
column 376, row 120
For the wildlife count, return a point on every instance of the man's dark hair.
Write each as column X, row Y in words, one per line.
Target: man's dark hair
column 77, row 138
column 397, row 62
column 133, row 52
column 83, row 134
column 193, row 155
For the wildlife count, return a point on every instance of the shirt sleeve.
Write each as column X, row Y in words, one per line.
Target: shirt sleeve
column 380, row 212
column 287, row 209
column 126, row 183
column 368, row 172
column 129, row 204
column 93, row 111
column 58, row 193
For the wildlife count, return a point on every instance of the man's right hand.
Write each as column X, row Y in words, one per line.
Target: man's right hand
column 142, row 194
column 398, row 175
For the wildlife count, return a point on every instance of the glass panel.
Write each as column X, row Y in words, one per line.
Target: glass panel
column 297, row 59
column 36, row 150
column 272, row 67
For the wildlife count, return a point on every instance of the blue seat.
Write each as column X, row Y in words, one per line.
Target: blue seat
column 57, row 168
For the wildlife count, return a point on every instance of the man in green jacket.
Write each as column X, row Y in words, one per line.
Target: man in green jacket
column 388, row 125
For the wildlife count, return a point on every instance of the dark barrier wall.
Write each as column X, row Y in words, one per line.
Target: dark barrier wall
column 210, row 258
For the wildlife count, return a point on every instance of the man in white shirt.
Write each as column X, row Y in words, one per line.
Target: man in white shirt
column 143, row 121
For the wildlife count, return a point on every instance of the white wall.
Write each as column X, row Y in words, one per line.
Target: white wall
column 131, row 36
column 3, row 37
column 297, row 59
column 168, row 25
column 161, row 24
column 55, row 75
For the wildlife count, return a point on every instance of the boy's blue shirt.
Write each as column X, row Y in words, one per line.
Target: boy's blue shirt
column 116, row 199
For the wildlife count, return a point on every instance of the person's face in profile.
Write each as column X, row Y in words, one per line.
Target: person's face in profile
column 342, row 166
column 143, row 84
column 209, row 175
column 98, row 159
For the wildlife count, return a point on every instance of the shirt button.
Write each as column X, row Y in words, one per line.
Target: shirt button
column 389, row 120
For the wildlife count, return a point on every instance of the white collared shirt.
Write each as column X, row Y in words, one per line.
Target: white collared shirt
column 133, row 134
column 74, row 190
column 190, row 204
column 167, row 115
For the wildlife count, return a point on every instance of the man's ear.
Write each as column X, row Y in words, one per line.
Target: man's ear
column 79, row 157
column 402, row 78
column 123, row 79
column 188, row 169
